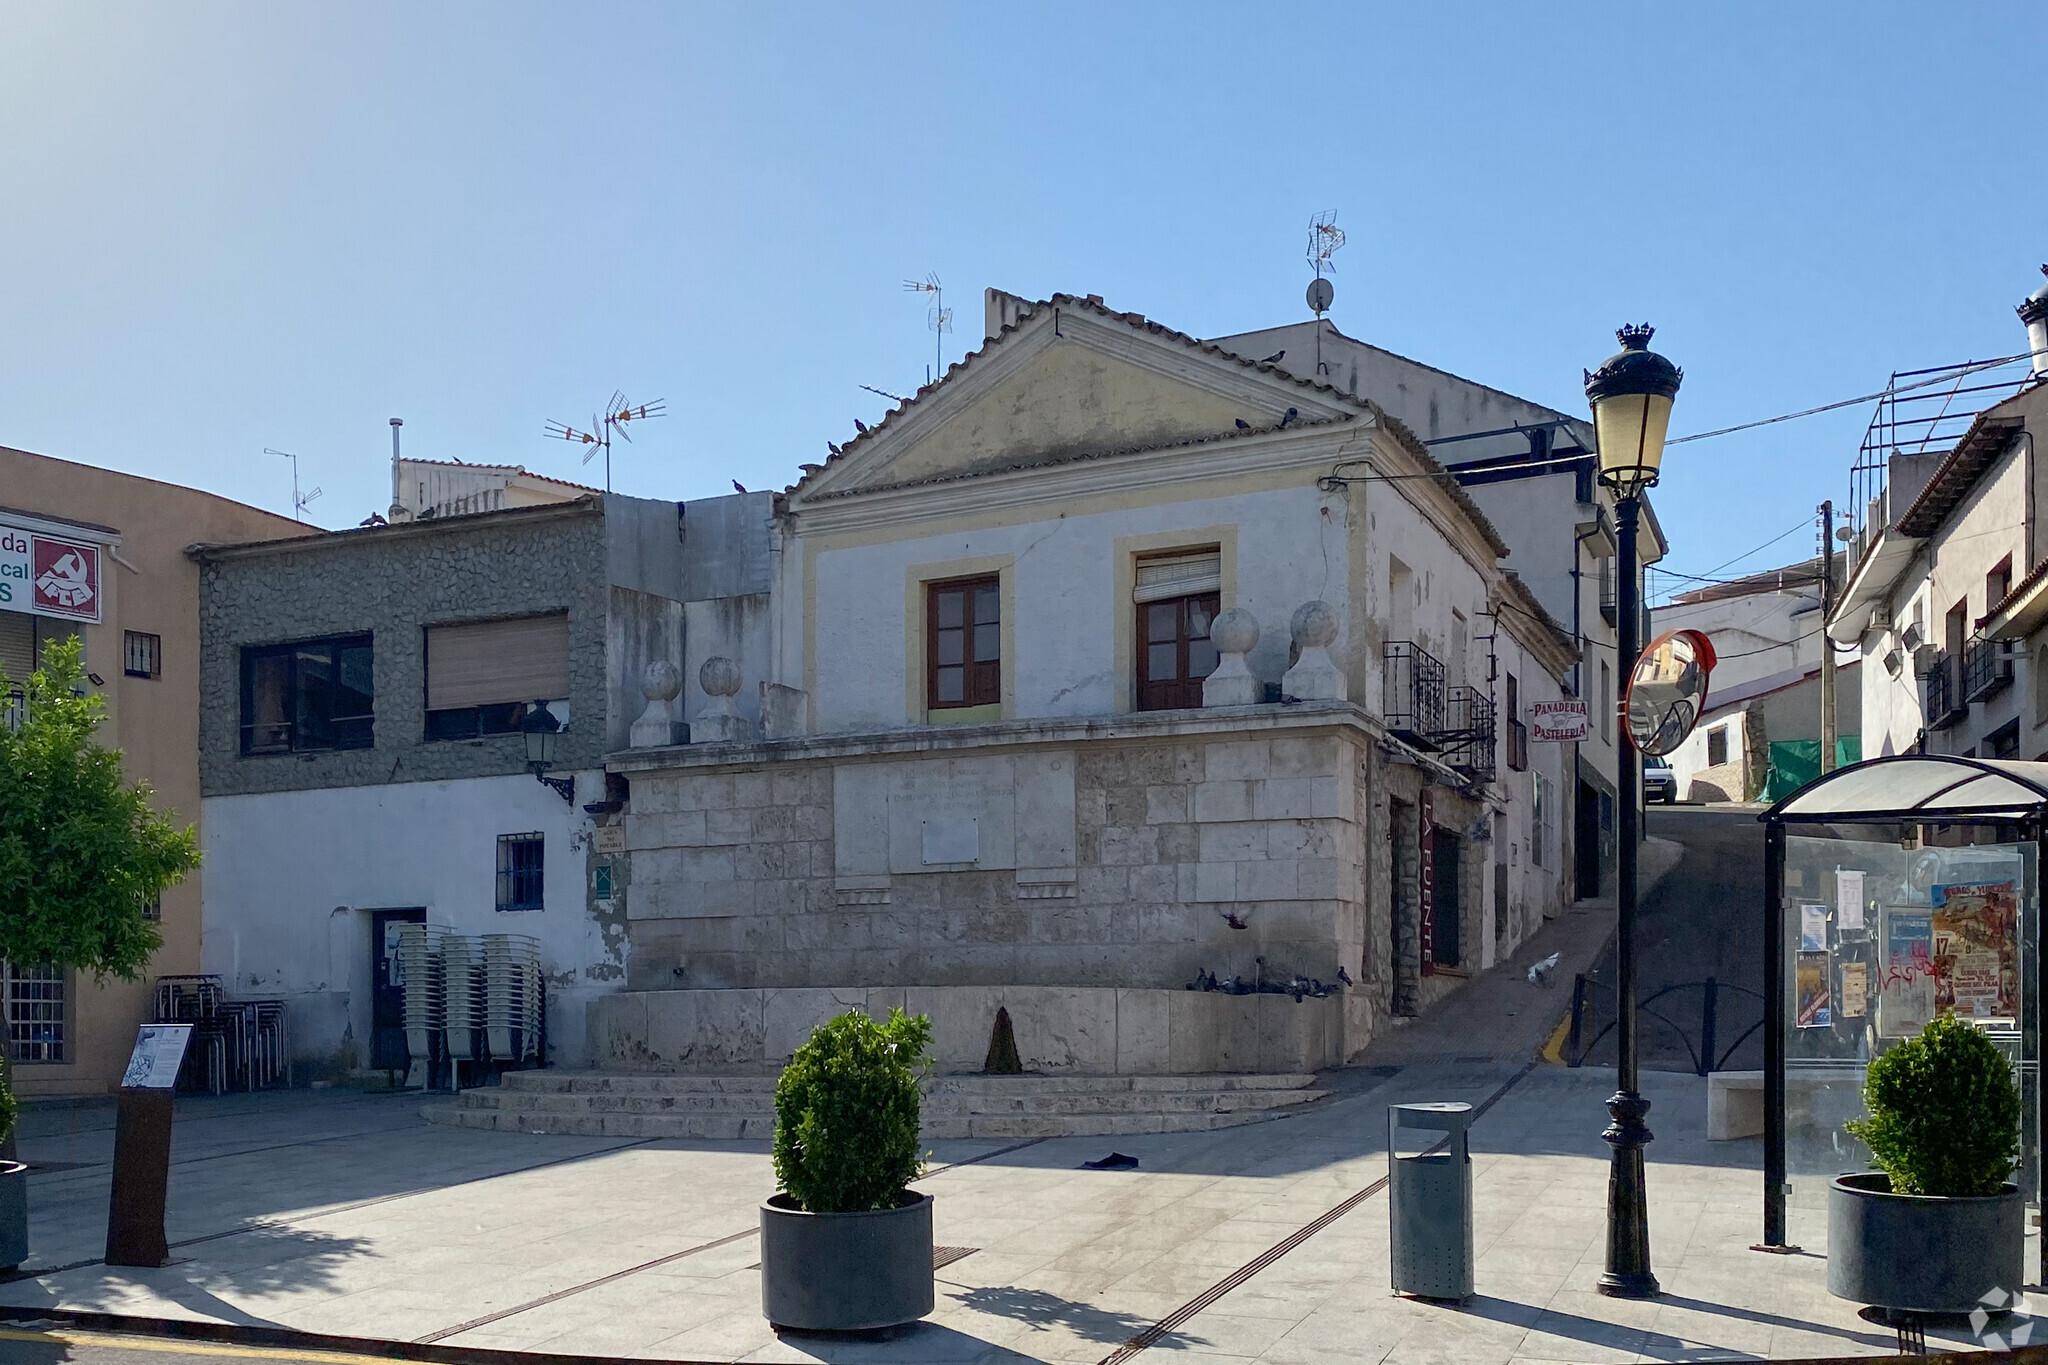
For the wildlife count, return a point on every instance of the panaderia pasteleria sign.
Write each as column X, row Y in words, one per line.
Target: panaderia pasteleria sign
column 48, row 575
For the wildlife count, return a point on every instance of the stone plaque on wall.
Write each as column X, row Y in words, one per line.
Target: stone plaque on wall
column 952, row 840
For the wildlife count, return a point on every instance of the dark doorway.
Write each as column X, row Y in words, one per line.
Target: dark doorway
column 1586, row 841
column 1446, row 932
column 388, row 1051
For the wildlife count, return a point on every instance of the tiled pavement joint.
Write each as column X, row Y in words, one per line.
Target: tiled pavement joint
column 1159, row 1330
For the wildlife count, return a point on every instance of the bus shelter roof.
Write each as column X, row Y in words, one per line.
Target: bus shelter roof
column 1930, row 788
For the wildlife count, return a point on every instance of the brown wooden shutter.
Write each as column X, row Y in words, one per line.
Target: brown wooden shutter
column 491, row 662
column 17, row 647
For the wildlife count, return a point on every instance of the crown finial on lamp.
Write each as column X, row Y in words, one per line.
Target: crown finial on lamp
column 1634, row 337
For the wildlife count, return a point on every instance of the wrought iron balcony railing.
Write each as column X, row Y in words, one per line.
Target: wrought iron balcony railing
column 1414, row 692
column 1467, row 738
column 13, row 708
column 1987, row 669
column 1942, row 692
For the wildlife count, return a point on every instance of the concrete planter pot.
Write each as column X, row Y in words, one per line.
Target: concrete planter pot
column 846, row 1272
column 1922, row 1253
column 13, row 1214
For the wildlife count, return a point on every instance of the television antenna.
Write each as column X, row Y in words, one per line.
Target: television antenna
column 939, row 319
column 1325, row 238
column 618, row 414
column 299, row 501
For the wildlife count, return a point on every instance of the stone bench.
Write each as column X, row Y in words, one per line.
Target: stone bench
column 1735, row 1099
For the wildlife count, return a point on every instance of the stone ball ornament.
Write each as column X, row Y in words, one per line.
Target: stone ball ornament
column 1235, row 631
column 1314, row 625
column 719, row 677
column 661, row 681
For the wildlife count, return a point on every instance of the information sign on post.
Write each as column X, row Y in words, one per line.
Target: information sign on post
column 142, row 1146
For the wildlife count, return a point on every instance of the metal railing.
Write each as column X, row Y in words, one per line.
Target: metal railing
column 13, row 708
column 1941, row 692
column 1414, row 691
column 1467, row 739
column 1586, row 1029
column 1987, row 669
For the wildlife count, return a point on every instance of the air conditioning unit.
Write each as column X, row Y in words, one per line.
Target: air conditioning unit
column 1925, row 657
column 1881, row 617
column 1893, row 662
column 1911, row 637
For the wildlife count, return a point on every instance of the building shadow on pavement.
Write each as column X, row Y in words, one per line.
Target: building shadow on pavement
column 1612, row 1336
column 1044, row 1312
column 261, row 1262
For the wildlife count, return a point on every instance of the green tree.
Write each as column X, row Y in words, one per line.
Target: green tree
column 83, row 855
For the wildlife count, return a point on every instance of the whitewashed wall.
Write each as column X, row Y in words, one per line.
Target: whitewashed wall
column 1988, row 526
column 1063, row 587
column 292, row 877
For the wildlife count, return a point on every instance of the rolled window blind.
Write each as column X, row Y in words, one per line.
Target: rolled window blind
column 17, row 646
column 1178, row 576
column 489, row 662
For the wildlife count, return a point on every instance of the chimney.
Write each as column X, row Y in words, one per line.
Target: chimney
column 2034, row 313
column 398, row 509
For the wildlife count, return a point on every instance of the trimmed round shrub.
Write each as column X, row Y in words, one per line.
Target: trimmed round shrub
column 1944, row 1113
column 846, row 1113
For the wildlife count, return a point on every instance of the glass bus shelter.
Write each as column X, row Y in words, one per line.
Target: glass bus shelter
column 1895, row 890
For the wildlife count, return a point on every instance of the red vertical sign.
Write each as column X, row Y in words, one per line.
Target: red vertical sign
column 1427, row 869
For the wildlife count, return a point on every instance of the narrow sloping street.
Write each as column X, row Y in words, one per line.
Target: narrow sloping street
column 1705, row 921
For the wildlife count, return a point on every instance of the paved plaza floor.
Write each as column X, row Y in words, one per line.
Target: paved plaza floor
column 343, row 1212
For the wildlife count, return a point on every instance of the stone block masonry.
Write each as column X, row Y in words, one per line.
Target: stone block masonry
column 1108, row 858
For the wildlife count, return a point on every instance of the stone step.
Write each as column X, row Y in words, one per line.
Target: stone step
column 761, row 1127
column 602, row 1104
column 937, row 1106
column 677, row 1083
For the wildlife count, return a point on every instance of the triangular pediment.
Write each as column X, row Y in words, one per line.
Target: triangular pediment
column 1064, row 384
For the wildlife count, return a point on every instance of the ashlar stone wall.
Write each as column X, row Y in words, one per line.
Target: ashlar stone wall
column 1106, row 864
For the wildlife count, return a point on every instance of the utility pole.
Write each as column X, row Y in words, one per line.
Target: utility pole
column 1827, row 644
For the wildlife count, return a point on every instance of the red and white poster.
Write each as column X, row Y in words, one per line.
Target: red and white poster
column 48, row 575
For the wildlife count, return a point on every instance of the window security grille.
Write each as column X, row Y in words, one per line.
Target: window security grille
column 521, row 865
column 35, row 1012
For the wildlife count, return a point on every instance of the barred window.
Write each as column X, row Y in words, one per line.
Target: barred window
column 35, row 1003
column 521, row 862
column 142, row 655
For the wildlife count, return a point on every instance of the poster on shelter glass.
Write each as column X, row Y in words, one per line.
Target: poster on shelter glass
column 1815, row 1005
column 1905, row 998
column 1976, row 950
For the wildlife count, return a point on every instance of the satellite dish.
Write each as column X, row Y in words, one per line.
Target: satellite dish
column 1668, row 690
column 1320, row 294
column 1845, row 533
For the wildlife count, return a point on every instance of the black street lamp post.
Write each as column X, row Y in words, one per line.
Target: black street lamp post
column 1631, row 395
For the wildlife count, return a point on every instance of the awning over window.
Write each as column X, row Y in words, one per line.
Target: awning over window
column 1920, row 787
column 1178, row 576
column 486, row 663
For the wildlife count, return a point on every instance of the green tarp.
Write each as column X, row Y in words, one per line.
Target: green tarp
column 1796, row 762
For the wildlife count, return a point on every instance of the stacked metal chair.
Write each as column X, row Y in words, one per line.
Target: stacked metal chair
column 426, row 999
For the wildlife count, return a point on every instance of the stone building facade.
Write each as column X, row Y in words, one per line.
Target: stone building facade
column 321, row 836
column 1253, row 871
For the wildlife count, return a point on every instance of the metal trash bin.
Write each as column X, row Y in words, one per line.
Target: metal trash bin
column 1430, row 1200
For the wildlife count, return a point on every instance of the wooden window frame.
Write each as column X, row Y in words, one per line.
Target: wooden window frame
column 1182, row 691
column 981, row 679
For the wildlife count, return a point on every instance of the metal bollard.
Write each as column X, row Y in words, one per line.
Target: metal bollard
column 1430, row 1201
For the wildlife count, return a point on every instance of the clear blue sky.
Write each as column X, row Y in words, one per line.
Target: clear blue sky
column 235, row 226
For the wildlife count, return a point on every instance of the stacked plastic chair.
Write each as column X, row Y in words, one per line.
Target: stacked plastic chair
column 426, row 998
column 513, row 996
column 462, row 977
